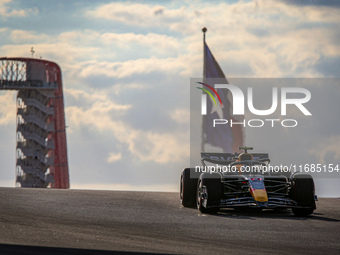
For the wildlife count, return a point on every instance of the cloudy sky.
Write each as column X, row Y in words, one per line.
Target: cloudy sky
column 127, row 68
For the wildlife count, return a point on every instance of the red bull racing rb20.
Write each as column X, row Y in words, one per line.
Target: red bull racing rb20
column 245, row 182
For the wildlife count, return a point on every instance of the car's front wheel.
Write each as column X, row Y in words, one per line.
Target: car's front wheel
column 209, row 193
column 303, row 193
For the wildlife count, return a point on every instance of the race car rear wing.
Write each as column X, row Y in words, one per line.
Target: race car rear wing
column 228, row 158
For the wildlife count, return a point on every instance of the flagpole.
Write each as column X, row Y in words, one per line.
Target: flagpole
column 204, row 30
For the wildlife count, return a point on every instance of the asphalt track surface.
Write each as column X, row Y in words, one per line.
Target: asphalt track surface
column 41, row 221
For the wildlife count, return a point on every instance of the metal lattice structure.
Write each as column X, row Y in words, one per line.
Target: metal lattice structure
column 41, row 135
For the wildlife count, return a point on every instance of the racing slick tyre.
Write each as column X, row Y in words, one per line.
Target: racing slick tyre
column 303, row 193
column 209, row 193
column 188, row 187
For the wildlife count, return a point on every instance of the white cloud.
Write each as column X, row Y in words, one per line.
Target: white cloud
column 95, row 97
column 218, row 15
column 143, row 145
column 22, row 37
column 137, row 14
column 272, row 39
column 118, row 88
column 7, row 108
column 181, row 116
column 248, row 40
column 88, row 53
column 159, row 147
column 92, row 108
column 170, row 66
column 326, row 149
column 82, row 37
column 113, row 157
column 6, row 11
column 157, row 43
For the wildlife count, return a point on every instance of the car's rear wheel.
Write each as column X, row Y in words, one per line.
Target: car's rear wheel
column 302, row 192
column 188, row 187
column 209, row 193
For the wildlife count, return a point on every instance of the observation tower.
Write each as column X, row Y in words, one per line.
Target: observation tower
column 41, row 151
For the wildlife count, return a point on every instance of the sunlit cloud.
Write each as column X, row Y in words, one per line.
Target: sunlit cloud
column 7, row 107
column 6, row 11
column 180, row 115
column 113, row 157
column 327, row 151
column 138, row 14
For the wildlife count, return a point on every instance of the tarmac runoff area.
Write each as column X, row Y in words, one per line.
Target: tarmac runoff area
column 46, row 221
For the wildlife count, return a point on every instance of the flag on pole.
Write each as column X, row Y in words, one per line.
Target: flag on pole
column 224, row 136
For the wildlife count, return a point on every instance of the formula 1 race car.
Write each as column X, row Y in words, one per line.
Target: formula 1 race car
column 245, row 181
